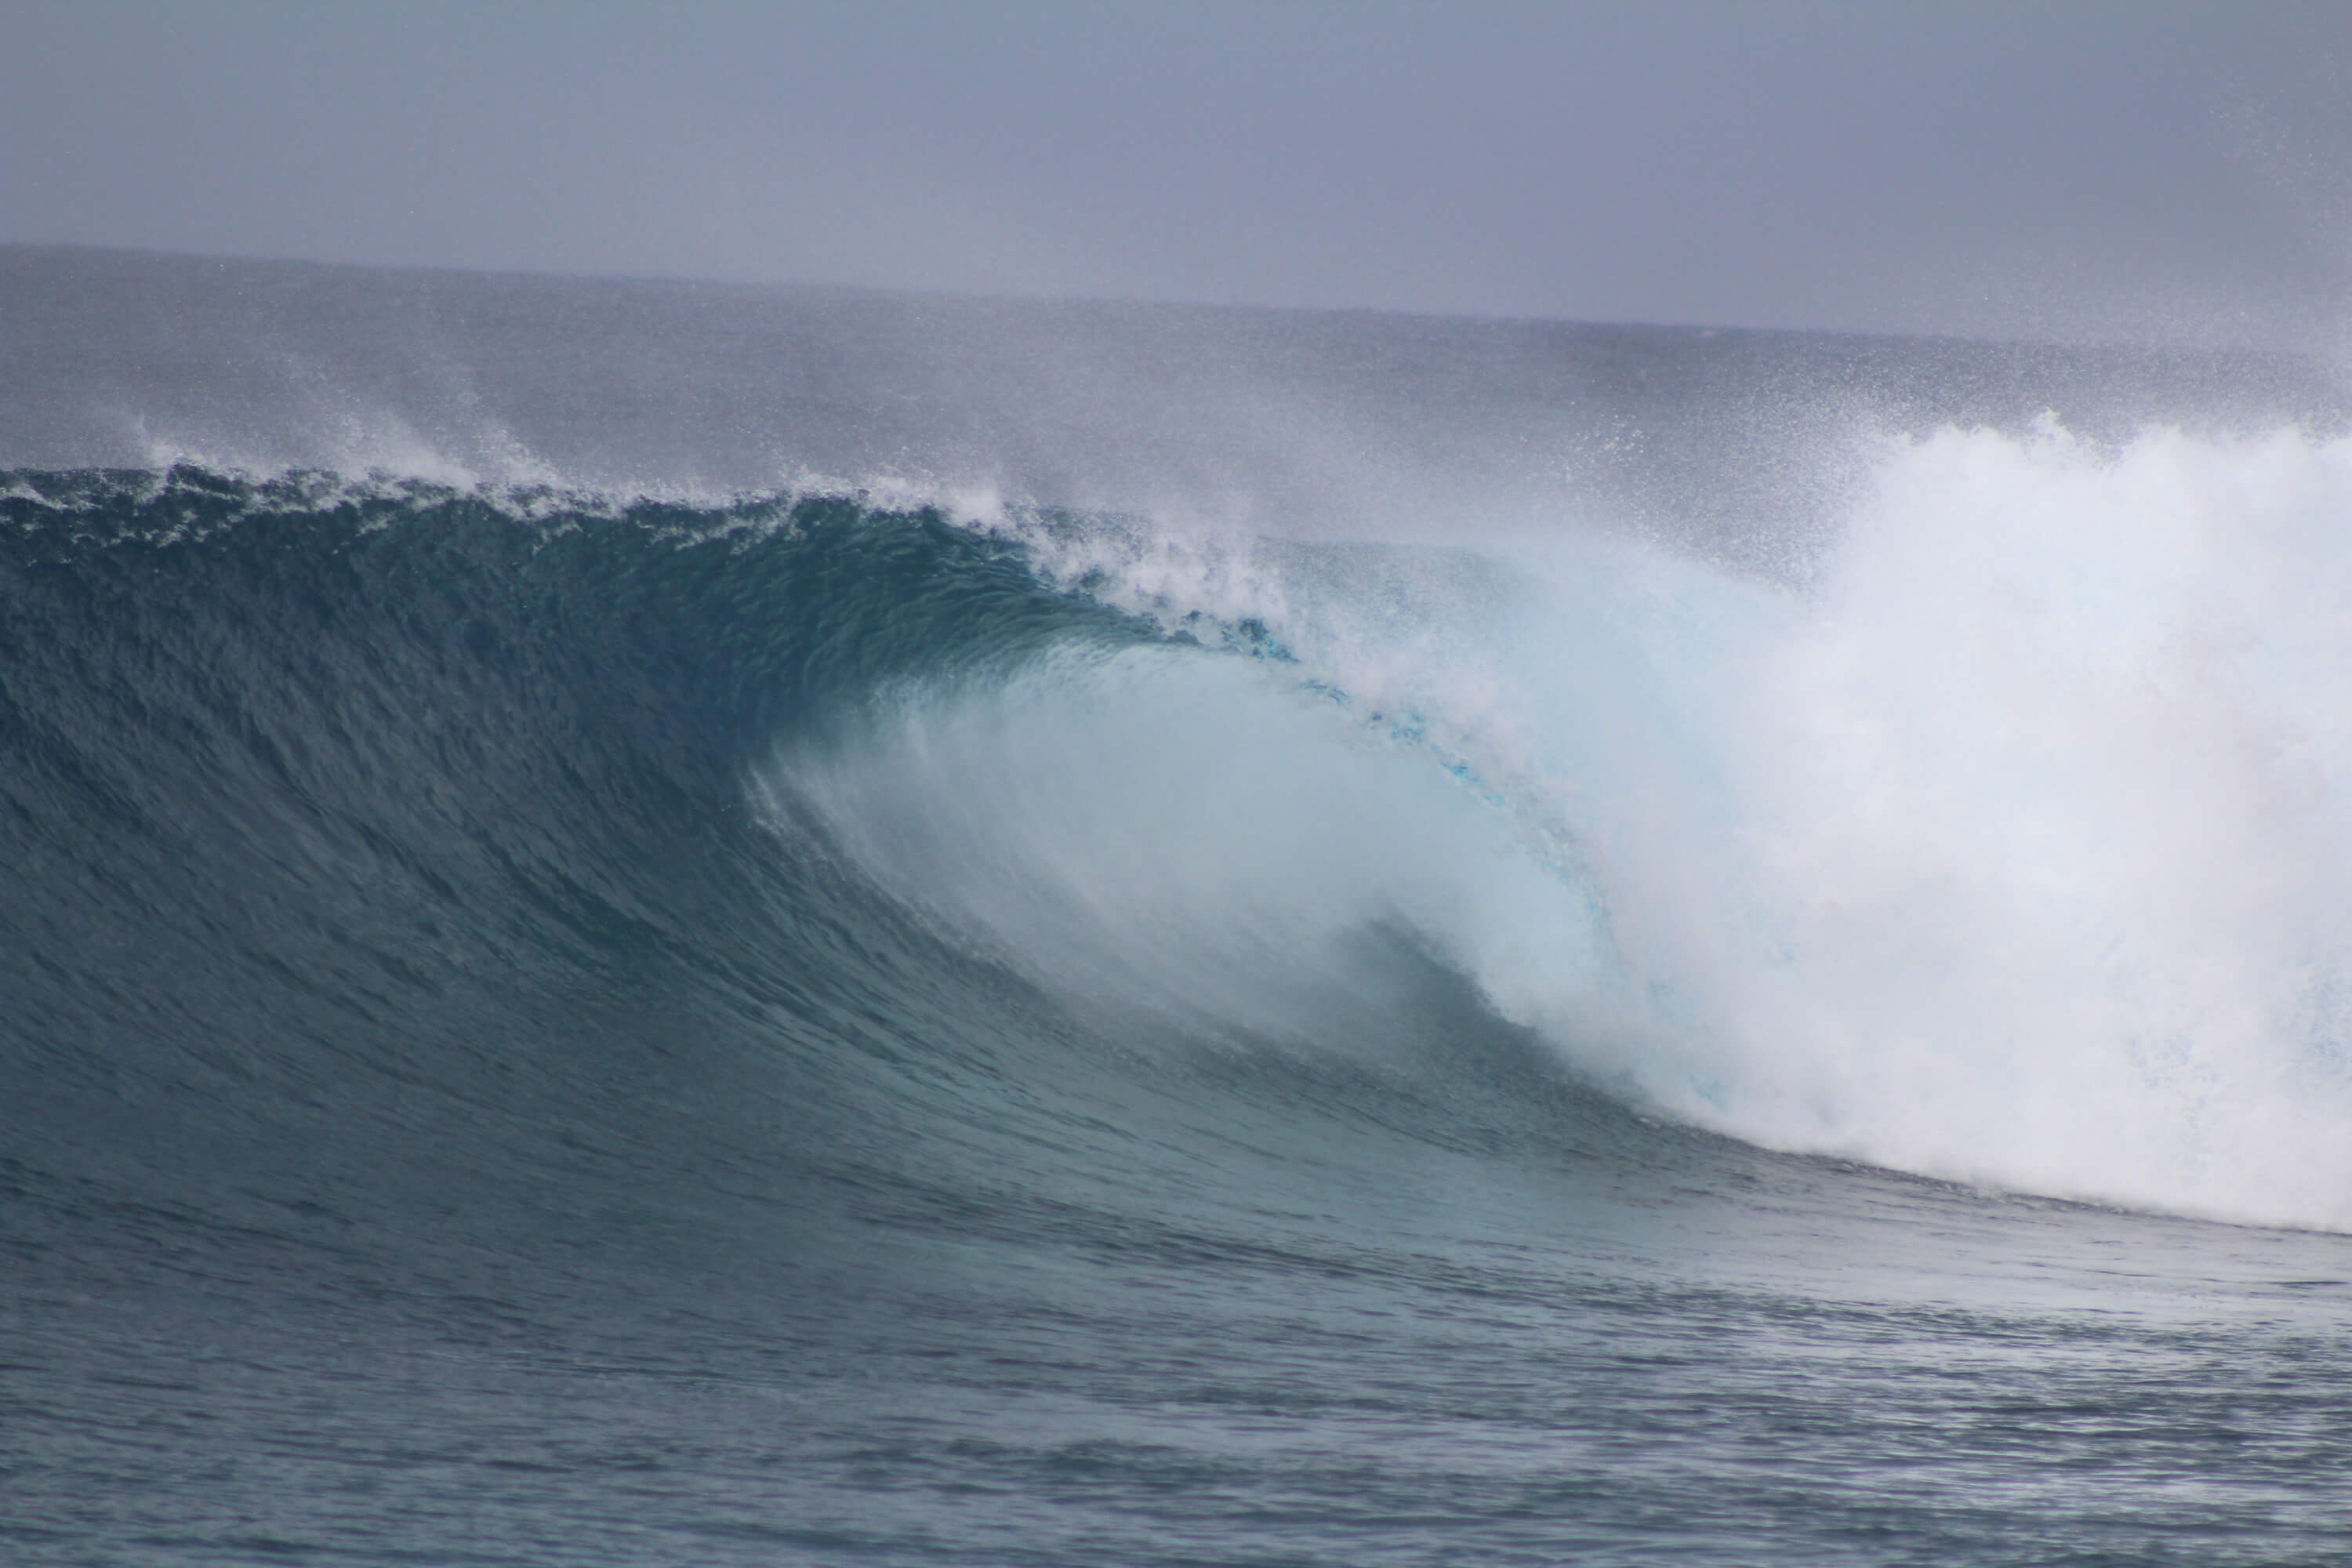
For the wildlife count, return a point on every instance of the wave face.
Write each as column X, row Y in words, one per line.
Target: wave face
column 613, row 1023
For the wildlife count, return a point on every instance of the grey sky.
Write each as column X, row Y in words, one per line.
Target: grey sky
column 2163, row 170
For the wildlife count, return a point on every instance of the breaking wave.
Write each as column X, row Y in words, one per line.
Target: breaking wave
column 2007, row 843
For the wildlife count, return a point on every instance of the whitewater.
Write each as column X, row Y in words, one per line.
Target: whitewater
column 643, row 921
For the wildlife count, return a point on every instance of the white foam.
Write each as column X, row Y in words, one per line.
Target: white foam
column 2019, row 848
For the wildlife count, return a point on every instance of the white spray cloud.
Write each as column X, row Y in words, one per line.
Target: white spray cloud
column 2017, row 849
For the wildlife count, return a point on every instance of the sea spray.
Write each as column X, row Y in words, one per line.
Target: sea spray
column 2010, row 846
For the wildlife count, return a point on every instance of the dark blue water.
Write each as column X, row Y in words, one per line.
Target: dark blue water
column 1118, row 1021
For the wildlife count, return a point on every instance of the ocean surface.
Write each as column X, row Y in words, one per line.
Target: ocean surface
column 656, row 923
